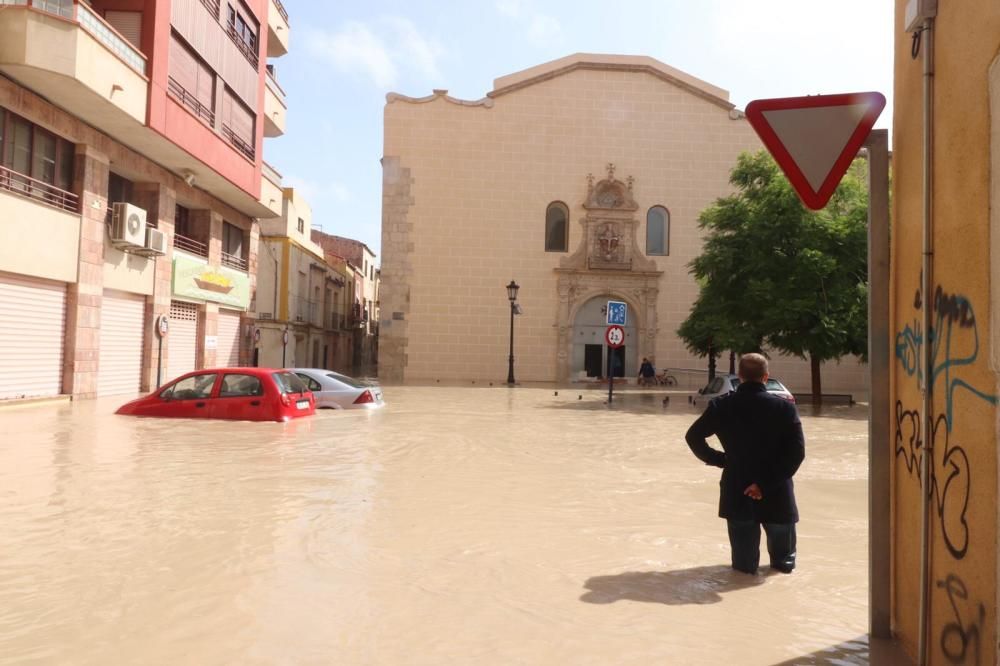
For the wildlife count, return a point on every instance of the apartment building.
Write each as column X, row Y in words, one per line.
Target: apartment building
column 304, row 295
column 365, row 309
column 131, row 182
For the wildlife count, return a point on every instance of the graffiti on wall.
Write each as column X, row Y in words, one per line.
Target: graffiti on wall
column 954, row 340
column 959, row 637
column 954, row 347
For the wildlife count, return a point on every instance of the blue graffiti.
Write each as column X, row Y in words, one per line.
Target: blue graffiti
column 952, row 314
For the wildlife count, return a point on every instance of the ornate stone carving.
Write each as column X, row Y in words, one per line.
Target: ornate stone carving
column 610, row 193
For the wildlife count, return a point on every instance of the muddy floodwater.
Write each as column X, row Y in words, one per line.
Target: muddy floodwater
column 455, row 526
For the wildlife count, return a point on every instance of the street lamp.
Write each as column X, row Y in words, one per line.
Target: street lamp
column 512, row 296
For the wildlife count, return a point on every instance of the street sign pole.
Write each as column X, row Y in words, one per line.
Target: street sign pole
column 611, row 377
column 614, row 336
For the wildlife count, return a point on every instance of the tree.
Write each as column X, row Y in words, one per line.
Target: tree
column 777, row 275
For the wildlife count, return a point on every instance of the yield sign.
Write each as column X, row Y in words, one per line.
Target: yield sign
column 814, row 139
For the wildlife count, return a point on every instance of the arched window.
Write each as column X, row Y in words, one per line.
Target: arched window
column 557, row 227
column 658, row 231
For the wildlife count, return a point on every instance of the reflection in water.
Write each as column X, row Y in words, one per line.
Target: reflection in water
column 492, row 525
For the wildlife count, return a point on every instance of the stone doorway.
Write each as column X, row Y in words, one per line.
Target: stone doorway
column 589, row 355
column 607, row 265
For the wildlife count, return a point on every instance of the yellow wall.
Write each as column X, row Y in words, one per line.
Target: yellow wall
column 128, row 272
column 964, row 460
column 50, row 251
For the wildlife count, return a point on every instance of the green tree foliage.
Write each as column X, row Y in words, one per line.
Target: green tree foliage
column 774, row 274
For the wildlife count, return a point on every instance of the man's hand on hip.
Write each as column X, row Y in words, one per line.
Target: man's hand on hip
column 753, row 491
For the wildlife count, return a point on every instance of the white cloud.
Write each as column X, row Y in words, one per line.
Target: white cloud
column 355, row 47
column 421, row 53
column 379, row 49
column 540, row 29
column 544, row 30
column 511, row 8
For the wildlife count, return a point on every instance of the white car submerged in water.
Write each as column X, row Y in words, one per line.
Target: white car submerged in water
column 333, row 390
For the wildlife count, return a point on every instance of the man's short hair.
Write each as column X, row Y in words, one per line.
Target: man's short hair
column 753, row 367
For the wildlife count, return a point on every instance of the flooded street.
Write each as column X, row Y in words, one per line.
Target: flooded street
column 455, row 526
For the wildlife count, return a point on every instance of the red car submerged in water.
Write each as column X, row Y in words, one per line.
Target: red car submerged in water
column 241, row 394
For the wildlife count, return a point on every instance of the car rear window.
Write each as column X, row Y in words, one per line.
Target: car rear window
column 235, row 386
column 774, row 385
column 344, row 379
column 289, row 382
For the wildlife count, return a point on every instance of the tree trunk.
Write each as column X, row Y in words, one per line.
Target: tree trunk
column 817, row 384
column 711, row 365
column 732, row 363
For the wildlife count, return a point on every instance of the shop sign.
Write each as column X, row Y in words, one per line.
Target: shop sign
column 194, row 278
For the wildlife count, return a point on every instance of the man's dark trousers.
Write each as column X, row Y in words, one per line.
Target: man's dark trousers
column 744, row 540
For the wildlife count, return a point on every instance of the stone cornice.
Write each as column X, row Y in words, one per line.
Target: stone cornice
column 615, row 67
column 438, row 94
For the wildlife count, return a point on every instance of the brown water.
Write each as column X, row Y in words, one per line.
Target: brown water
column 455, row 526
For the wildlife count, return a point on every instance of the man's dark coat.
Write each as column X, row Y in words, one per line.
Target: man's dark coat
column 762, row 440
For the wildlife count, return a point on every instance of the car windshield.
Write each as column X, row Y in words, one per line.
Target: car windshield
column 344, row 379
column 289, row 382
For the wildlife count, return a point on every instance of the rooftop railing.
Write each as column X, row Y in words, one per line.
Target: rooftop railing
column 50, row 195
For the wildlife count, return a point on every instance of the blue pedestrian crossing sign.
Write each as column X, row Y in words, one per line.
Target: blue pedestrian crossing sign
column 617, row 313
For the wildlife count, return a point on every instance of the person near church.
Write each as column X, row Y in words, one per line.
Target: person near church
column 762, row 448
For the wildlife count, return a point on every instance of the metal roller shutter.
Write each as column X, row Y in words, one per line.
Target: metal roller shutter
column 183, row 339
column 32, row 325
column 228, row 355
column 120, row 367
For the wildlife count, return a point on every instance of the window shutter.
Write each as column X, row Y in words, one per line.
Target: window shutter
column 128, row 24
column 183, row 66
column 240, row 120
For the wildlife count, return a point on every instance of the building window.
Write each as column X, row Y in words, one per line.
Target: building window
column 658, row 231
column 302, row 226
column 557, row 227
column 233, row 247
column 243, row 30
column 182, row 222
column 119, row 191
column 238, row 124
column 28, row 151
column 191, row 82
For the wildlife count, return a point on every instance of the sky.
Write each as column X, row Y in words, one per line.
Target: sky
column 344, row 58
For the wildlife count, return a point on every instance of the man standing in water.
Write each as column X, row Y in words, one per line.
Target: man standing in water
column 763, row 447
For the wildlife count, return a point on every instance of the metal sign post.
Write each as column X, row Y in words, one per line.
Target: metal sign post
column 162, row 330
column 615, row 337
column 284, row 346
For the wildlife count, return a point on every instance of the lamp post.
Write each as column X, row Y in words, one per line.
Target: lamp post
column 512, row 296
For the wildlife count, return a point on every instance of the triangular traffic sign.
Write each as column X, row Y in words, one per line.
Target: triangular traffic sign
column 814, row 139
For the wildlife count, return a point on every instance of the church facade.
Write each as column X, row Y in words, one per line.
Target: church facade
column 581, row 180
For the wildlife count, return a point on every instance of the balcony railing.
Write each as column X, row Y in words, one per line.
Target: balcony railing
column 50, row 195
column 190, row 245
column 271, row 173
column 213, row 6
column 233, row 261
column 238, row 143
column 92, row 23
column 281, row 10
column 272, row 85
column 178, row 91
column 248, row 52
column 108, row 36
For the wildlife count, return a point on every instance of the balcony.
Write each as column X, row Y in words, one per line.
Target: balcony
column 18, row 183
column 182, row 95
column 275, row 108
column 277, row 30
column 70, row 55
column 271, row 194
column 246, row 149
column 190, row 245
column 233, row 261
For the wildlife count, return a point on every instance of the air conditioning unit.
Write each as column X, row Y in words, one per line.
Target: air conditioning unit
column 156, row 244
column 128, row 226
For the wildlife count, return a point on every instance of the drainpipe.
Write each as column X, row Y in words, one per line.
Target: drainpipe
column 928, row 380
